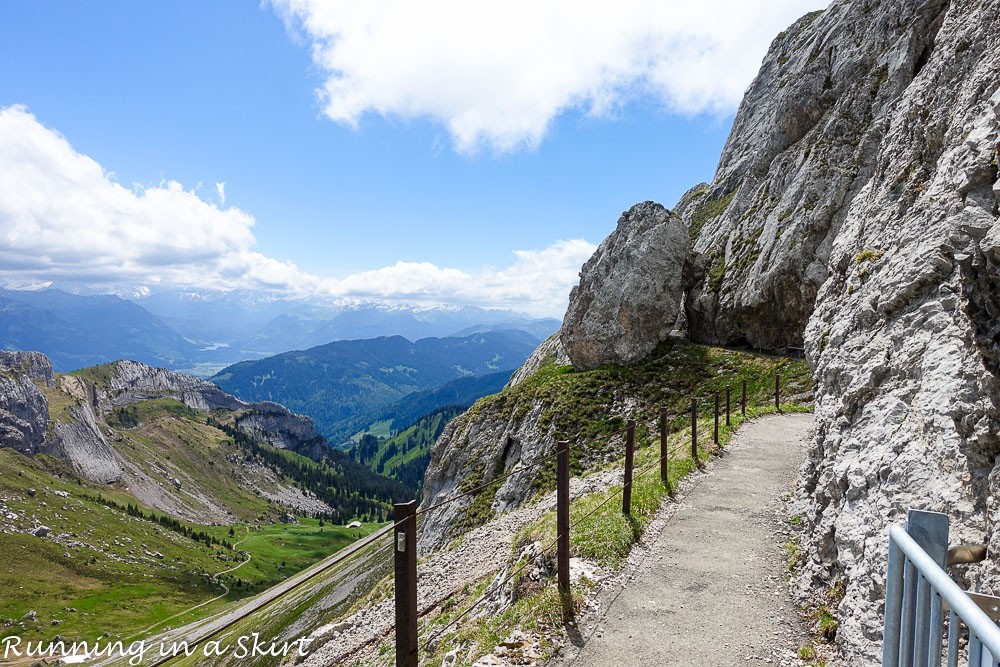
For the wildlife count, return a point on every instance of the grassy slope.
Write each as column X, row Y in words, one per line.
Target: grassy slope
column 173, row 437
column 585, row 403
column 105, row 591
column 585, row 407
column 115, row 587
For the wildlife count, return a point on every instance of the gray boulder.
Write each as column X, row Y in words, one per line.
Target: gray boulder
column 630, row 290
column 41, row 531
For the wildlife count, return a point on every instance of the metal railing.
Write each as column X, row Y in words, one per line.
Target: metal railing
column 919, row 592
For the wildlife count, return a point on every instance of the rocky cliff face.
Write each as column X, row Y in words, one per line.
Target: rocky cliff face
column 24, row 412
column 904, row 336
column 278, row 426
column 26, row 424
column 129, row 382
column 78, row 440
column 855, row 213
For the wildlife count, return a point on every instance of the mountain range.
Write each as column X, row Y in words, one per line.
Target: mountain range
column 202, row 332
column 345, row 385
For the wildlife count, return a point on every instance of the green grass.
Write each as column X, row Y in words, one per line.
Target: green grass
column 706, row 211
column 124, row 597
column 868, row 255
column 60, row 403
column 108, row 594
column 587, row 407
column 281, row 550
column 380, row 429
column 99, row 375
column 149, row 411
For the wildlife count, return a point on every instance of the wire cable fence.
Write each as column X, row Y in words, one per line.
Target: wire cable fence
column 407, row 633
column 400, row 536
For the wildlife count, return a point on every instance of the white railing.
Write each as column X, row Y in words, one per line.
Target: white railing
column 919, row 592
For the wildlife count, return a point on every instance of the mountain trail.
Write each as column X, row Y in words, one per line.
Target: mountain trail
column 708, row 589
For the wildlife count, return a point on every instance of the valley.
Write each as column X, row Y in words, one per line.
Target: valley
column 203, row 332
column 178, row 488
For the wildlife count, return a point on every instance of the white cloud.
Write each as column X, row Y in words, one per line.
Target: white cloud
column 496, row 74
column 537, row 281
column 64, row 218
column 221, row 189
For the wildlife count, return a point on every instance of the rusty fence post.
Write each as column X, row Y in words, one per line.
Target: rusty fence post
column 562, row 518
column 715, row 433
column 694, row 431
column 664, row 453
column 744, row 404
column 405, row 541
column 629, row 462
column 777, row 392
column 728, row 390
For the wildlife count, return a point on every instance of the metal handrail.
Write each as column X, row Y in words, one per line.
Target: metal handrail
column 918, row 590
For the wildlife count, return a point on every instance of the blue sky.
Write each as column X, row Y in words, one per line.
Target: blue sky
column 385, row 170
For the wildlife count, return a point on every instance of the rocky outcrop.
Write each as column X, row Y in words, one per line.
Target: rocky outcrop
column 630, row 290
column 34, row 365
column 77, row 440
column 27, row 426
column 550, row 351
column 278, row 426
column 475, row 448
column 855, row 211
column 130, row 382
column 24, row 411
column 904, row 337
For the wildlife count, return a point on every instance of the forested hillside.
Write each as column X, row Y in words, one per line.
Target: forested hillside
column 405, row 455
column 337, row 383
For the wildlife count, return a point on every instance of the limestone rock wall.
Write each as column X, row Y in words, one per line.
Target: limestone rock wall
column 855, row 211
column 79, row 442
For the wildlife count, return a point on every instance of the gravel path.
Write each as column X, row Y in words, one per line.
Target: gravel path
column 710, row 590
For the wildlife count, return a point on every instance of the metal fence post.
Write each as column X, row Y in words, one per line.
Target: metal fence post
column 715, row 433
column 777, row 392
column 744, row 405
column 893, row 607
column 405, row 541
column 664, row 452
column 694, row 431
column 562, row 518
column 728, row 389
column 629, row 462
